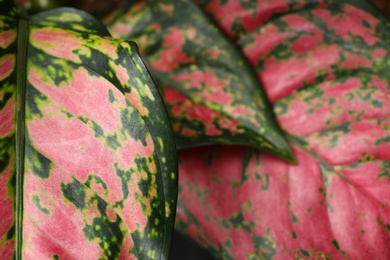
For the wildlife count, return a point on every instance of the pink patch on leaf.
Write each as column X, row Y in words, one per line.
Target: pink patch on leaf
column 58, row 43
column 172, row 96
column 127, row 244
column 362, row 139
column 279, row 84
column 7, row 119
column 240, row 111
column 205, row 115
column 262, row 41
column 212, row 87
column 226, row 14
column 7, row 38
column 352, row 24
column 80, row 94
column 186, row 132
column 336, row 106
column 135, row 99
column 172, row 55
column 7, row 249
column 121, row 73
column 7, row 65
column 132, row 149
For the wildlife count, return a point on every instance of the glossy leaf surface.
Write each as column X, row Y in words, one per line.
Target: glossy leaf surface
column 88, row 167
column 325, row 67
column 211, row 91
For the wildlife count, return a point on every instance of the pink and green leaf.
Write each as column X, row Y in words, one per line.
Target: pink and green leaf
column 211, row 91
column 259, row 207
column 88, row 165
column 8, row 76
column 325, row 68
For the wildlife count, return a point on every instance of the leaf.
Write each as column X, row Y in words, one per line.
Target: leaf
column 88, row 165
column 325, row 67
column 211, row 91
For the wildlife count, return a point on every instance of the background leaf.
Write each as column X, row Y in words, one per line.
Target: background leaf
column 211, row 91
column 325, row 67
column 99, row 175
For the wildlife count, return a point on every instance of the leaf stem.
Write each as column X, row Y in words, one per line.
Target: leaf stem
column 21, row 66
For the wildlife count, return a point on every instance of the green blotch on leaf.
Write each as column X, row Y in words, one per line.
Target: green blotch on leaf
column 74, row 192
column 41, row 166
column 265, row 246
column 112, row 141
column 125, row 177
column 336, row 244
column 265, row 185
column 98, row 129
column 305, row 253
column 108, row 233
column 383, row 140
column 294, row 235
column 294, row 218
column 248, row 4
column 4, row 156
column 34, row 98
column 385, row 171
column 11, row 233
column 6, row 97
column 228, row 243
column 238, row 220
column 377, row 103
column 332, row 100
column 366, row 24
column 237, row 26
column 37, row 202
column 67, row 113
column 111, row 97
column 133, row 124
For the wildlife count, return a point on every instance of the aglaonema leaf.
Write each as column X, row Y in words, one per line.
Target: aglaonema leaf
column 210, row 89
column 88, row 164
column 325, row 67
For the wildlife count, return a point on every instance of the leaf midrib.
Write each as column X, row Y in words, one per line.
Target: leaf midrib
column 21, row 67
column 322, row 162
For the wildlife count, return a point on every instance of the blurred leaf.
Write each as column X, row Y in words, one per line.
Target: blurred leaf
column 326, row 68
column 211, row 91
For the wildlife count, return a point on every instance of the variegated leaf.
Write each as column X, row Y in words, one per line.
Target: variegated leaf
column 8, row 110
column 325, row 66
column 88, row 163
column 211, row 91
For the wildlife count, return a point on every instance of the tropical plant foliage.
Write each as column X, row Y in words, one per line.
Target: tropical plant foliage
column 325, row 67
column 87, row 158
column 88, row 166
